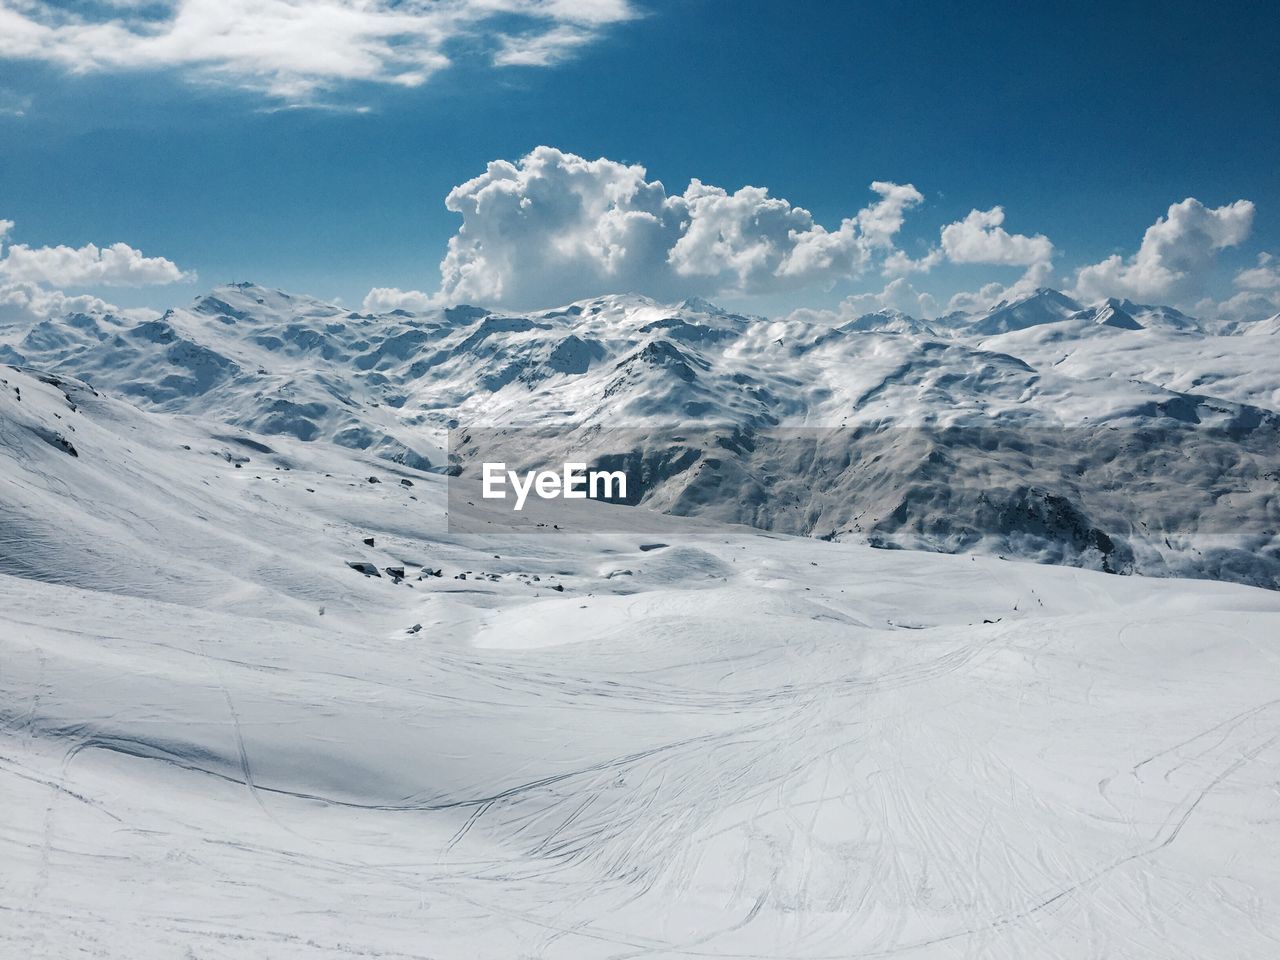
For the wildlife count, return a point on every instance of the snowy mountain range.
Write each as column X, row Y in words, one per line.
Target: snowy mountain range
column 1118, row 436
column 263, row 694
column 254, row 702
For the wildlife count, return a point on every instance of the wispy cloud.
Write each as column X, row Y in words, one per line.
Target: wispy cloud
column 13, row 104
column 541, row 49
column 293, row 49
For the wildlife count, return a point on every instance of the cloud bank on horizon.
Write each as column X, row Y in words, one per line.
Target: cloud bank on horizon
column 33, row 280
column 556, row 221
column 554, row 227
column 291, row 50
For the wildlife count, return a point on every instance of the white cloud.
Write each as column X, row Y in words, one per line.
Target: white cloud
column 30, row 277
column 27, row 302
column 1259, row 294
column 976, row 301
column 898, row 295
column 116, row 265
column 386, row 299
column 541, row 49
column 1245, row 305
column 556, row 227
column 881, row 221
column 980, row 238
column 898, row 262
column 1175, row 257
column 293, row 48
column 1265, row 276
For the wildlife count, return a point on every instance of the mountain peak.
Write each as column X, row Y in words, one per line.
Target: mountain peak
column 1110, row 313
column 246, row 300
column 1042, row 305
column 1051, row 295
column 702, row 305
column 887, row 320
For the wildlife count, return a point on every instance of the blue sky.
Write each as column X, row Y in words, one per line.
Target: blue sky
column 1084, row 123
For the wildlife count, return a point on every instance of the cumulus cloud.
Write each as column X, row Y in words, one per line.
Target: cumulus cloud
column 30, row 277
column 1175, row 257
column 1259, row 294
column 293, row 48
column 1265, row 276
column 1243, row 306
column 881, row 221
column 980, row 238
column 116, row 265
column 386, row 299
column 899, row 262
column 898, row 295
column 556, row 227
column 26, row 302
column 989, row 295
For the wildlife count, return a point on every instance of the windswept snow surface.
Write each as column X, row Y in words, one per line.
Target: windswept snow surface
column 219, row 740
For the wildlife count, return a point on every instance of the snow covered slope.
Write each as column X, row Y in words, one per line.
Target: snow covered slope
column 257, row 358
column 916, row 406
column 220, row 739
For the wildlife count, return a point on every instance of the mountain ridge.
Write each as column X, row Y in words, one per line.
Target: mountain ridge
column 394, row 384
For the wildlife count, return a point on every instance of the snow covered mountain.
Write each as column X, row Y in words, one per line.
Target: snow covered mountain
column 256, row 358
column 1111, row 313
column 1101, row 436
column 263, row 690
column 258, row 699
column 1269, row 327
column 1042, row 306
column 1008, row 433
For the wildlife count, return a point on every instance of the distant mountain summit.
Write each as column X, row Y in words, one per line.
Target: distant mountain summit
column 1042, row 306
column 1109, row 313
column 1045, row 306
column 889, row 320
